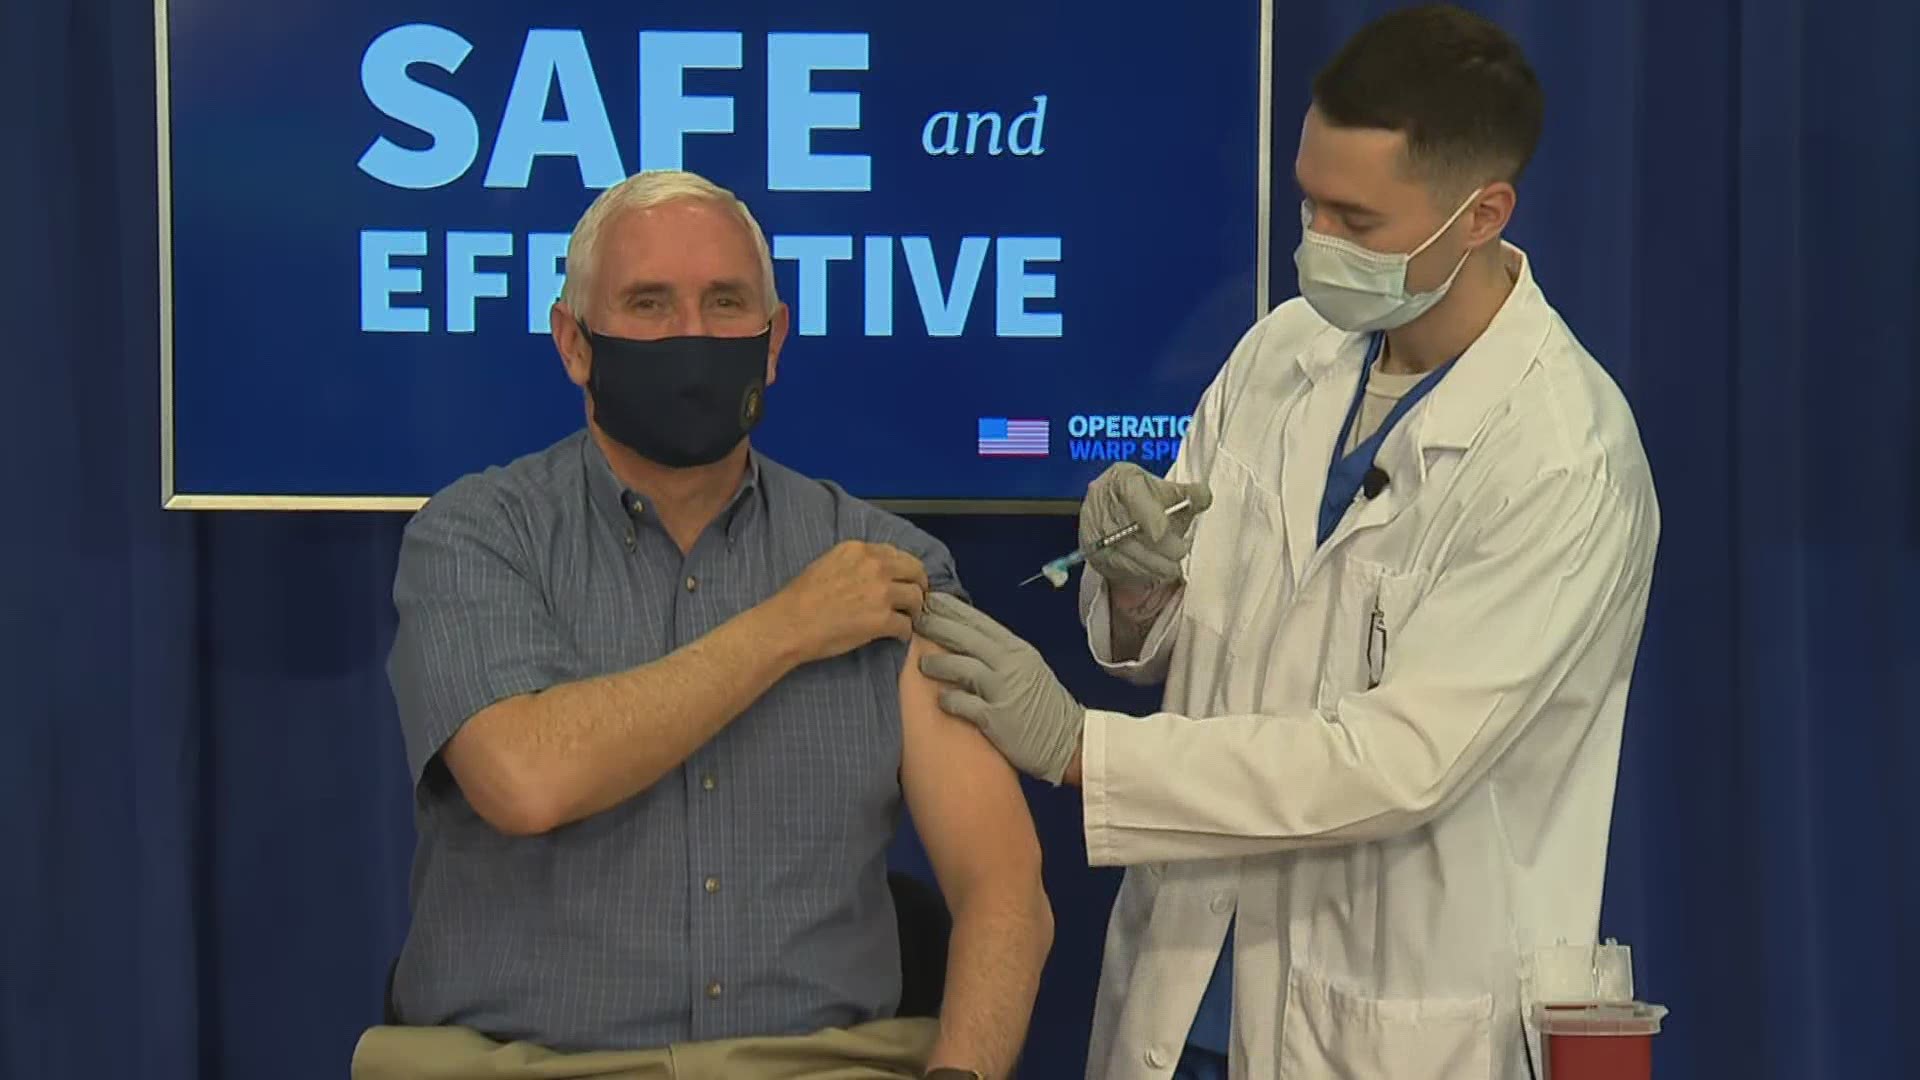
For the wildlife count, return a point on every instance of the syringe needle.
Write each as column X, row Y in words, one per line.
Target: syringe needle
column 1055, row 572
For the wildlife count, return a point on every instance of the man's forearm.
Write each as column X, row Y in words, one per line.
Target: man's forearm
column 584, row 747
column 1001, row 935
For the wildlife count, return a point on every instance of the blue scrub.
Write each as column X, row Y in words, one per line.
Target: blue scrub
column 1213, row 1024
column 1198, row 1064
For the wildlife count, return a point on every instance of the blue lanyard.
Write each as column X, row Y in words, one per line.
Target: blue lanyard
column 1347, row 473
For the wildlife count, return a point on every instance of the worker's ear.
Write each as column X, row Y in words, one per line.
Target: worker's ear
column 1492, row 209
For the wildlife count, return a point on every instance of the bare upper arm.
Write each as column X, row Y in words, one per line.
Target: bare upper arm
column 965, row 799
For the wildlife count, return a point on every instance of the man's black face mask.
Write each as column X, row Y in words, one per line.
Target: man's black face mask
column 678, row 401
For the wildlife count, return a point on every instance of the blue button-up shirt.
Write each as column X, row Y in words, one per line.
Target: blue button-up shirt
column 743, row 893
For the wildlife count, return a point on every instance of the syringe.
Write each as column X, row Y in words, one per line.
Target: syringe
column 1056, row 571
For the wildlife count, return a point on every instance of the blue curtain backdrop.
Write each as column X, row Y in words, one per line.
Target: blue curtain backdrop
column 202, row 799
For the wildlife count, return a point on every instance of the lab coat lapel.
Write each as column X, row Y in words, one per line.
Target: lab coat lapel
column 1487, row 372
column 1308, row 441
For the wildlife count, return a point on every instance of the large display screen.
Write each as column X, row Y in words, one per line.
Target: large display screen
column 1017, row 238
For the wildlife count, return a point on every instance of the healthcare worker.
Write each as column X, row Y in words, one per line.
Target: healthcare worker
column 1396, row 647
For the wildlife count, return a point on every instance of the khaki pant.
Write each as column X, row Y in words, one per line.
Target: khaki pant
column 881, row 1050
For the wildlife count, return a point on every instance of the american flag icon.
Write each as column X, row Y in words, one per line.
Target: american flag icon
column 1001, row 437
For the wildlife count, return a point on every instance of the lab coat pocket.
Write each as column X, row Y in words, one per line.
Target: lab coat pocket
column 1237, row 549
column 1369, row 609
column 1331, row 1032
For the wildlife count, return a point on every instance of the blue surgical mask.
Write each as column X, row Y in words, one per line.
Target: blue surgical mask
column 1361, row 290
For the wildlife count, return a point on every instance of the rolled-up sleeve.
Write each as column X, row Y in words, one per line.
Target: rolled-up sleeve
column 475, row 628
column 1156, row 649
column 879, row 527
column 942, row 575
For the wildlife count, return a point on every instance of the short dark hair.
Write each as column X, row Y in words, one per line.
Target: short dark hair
column 1454, row 82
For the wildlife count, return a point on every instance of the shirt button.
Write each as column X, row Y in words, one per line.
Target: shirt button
column 692, row 583
column 628, row 540
column 714, row 989
column 713, row 885
column 708, row 783
column 1221, row 904
column 1156, row 1058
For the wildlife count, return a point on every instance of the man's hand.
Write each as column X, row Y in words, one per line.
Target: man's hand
column 854, row 594
column 1125, row 494
column 1000, row 684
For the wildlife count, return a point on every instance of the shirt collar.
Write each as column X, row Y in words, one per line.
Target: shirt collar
column 623, row 505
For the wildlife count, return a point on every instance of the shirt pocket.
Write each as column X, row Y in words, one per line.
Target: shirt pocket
column 1370, row 607
column 1239, row 553
column 1331, row 1032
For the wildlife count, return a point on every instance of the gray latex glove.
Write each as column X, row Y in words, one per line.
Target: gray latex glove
column 1127, row 493
column 1000, row 683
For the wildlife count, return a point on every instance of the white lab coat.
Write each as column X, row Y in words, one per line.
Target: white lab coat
column 1393, row 853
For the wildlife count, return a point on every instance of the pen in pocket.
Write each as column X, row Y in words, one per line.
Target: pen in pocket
column 1376, row 647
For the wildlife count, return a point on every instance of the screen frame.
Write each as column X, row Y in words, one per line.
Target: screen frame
column 171, row 498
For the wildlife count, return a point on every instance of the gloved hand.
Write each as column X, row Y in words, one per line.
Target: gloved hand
column 1000, row 683
column 1127, row 493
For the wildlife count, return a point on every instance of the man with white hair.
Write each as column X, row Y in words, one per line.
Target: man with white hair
column 661, row 702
